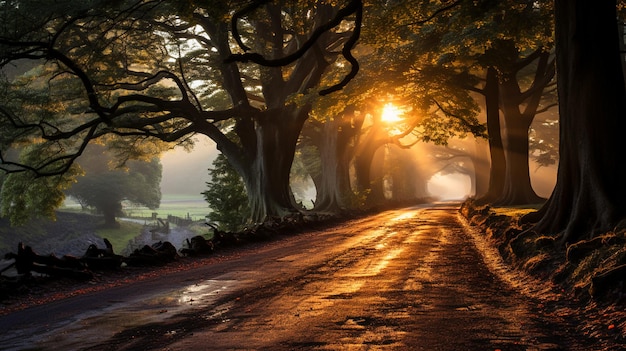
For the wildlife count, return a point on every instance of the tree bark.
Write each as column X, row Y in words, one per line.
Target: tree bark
column 480, row 183
column 363, row 160
column 109, row 212
column 590, row 193
column 517, row 189
column 267, row 136
column 333, row 186
column 496, row 149
column 408, row 183
column 267, row 178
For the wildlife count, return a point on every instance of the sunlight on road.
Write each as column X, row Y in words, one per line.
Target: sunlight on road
column 405, row 215
column 385, row 261
column 375, row 266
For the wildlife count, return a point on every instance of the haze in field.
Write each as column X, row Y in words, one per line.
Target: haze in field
column 186, row 173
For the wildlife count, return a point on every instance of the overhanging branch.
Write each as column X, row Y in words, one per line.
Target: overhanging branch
column 353, row 7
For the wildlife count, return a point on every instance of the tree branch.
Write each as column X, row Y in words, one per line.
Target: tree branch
column 353, row 7
column 476, row 129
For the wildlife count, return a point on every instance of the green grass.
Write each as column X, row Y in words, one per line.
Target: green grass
column 119, row 237
column 175, row 205
column 179, row 205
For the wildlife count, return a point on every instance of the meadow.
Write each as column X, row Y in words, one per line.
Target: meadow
column 193, row 207
column 179, row 205
column 73, row 230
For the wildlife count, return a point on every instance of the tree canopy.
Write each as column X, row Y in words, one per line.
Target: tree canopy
column 105, row 185
column 264, row 79
column 141, row 73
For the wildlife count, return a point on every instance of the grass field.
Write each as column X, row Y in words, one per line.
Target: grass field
column 179, row 205
column 176, row 205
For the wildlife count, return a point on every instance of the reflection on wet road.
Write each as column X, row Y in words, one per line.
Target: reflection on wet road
column 408, row 279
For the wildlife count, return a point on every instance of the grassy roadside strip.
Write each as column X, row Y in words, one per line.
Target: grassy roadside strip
column 120, row 237
column 590, row 272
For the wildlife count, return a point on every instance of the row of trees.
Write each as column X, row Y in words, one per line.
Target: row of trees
column 265, row 79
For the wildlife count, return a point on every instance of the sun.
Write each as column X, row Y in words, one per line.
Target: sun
column 391, row 113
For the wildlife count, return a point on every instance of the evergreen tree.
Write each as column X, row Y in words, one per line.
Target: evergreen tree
column 226, row 195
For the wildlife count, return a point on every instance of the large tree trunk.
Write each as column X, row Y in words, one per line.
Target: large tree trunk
column 366, row 183
column 518, row 189
column 267, row 178
column 590, row 193
column 480, row 182
column 407, row 182
column 267, row 136
column 496, row 149
column 333, row 186
column 377, row 173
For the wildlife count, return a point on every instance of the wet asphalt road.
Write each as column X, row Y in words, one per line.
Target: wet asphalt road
column 410, row 279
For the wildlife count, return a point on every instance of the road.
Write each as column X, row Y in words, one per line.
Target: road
column 410, row 279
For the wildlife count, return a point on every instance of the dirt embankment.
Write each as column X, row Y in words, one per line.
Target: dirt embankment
column 592, row 272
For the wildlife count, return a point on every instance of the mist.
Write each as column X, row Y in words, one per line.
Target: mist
column 186, row 172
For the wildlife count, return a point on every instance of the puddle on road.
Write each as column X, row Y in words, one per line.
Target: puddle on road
column 91, row 328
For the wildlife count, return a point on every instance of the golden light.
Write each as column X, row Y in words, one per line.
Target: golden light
column 391, row 113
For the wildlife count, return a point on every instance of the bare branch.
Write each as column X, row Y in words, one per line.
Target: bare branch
column 353, row 7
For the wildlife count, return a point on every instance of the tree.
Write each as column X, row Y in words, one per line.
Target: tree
column 333, row 141
column 226, row 195
column 519, row 107
column 499, row 50
column 590, row 194
column 104, row 188
column 163, row 70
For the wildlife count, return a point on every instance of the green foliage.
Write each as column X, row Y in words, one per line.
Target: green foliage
column 356, row 199
column 104, row 188
column 226, row 195
column 24, row 194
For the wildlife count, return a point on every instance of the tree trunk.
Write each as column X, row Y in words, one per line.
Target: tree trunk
column 109, row 212
column 365, row 183
column 590, row 193
column 377, row 175
column 267, row 178
column 364, row 157
column 407, row 182
column 496, row 149
column 481, row 170
column 518, row 189
column 334, row 182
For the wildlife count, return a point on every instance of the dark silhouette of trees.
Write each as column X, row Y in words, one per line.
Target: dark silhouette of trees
column 517, row 67
column 590, row 194
column 164, row 71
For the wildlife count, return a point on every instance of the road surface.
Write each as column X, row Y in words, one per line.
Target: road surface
column 410, row 279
